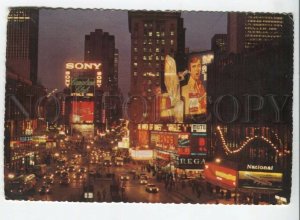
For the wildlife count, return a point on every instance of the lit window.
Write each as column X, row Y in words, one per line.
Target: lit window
column 163, row 42
column 134, row 73
column 157, row 34
column 135, row 49
column 172, row 42
column 157, row 50
column 150, row 34
column 172, row 33
column 135, row 64
column 144, row 58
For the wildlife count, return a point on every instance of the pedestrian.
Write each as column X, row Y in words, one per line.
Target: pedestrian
column 199, row 192
column 104, row 194
column 99, row 196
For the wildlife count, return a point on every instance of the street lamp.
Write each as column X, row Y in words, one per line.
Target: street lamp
column 218, row 160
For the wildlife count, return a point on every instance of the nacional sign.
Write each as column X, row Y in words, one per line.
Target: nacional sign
column 83, row 66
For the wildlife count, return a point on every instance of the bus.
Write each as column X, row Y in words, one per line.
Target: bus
column 22, row 184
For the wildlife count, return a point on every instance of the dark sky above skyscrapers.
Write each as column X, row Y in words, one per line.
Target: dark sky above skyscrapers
column 61, row 38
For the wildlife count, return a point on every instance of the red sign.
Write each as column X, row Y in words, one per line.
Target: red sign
column 163, row 155
column 164, row 140
column 183, row 151
column 143, row 137
column 82, row 112
column 220, row 175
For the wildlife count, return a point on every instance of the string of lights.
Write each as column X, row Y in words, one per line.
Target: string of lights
column 246, row 142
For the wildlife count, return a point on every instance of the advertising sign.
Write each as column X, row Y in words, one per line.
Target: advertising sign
column 84, row 129
column 143, row 137
column 141, row 154
column 82, row 86
column 260, row 180
column 164, row 140
column 82, row 112
column 189, row 162
column 198, row 145
column 198, row 128
column 183, row 150
column 183, row 140
column 220, row 175
column 163, row 155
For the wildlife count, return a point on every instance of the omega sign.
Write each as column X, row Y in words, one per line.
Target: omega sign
column 83, row 66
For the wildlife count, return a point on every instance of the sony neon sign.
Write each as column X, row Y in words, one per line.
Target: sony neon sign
column 83, row 66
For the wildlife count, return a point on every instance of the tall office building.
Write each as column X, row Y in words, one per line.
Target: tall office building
column 219, row 43
column 249, row 30
column 100, row 48
column 22, row 43
column 153, row 36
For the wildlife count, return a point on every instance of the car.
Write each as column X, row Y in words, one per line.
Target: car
column 71, row 168
column 107, row 163
column 45, row 189
column 82, row 170
column 143, row 180
column 64, row 181
column 48, row 179
column 152, row 188
column 124, row 177
column 77, row 176
column 132, row 171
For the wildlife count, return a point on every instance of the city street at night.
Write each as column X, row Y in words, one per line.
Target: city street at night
column 124, row 107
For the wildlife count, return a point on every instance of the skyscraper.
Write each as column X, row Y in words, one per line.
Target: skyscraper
column 22, row 43
column 153, row 36
column 100, row 47
column 219, row 43
column 249, row 30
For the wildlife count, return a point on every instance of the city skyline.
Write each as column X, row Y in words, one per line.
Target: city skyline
column 58, row 30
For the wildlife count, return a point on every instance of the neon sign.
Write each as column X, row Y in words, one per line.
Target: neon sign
column 83, row 66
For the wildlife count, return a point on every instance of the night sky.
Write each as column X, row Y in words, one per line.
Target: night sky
column 61, row 38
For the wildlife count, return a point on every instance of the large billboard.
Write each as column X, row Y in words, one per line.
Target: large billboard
column 260, row 180
column 82, row 78
column 194, row 90
column 164, row 140
column 184, row 93
column 83, row 85
column 82, row 112
column 220, row 175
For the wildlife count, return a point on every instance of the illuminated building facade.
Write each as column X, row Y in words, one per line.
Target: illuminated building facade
column 219, row 43
column 22, row 43
column 239, row 133
column 153, row 36
column 82, row 80
column 24, row 114
column 248, row 30
column 100, row 48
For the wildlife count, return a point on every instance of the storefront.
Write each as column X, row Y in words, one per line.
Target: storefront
column 252, row 183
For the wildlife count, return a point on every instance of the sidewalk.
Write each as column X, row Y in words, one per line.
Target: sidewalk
column 205, row 197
